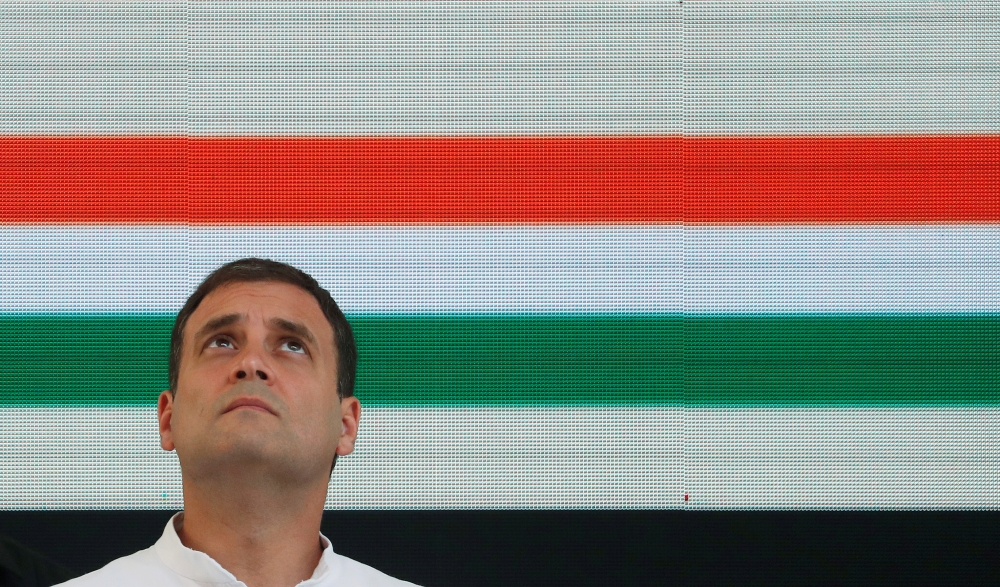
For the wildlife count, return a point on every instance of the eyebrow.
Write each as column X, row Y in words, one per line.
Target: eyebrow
column 217, row 323
column 294, row 328
column 278, row 323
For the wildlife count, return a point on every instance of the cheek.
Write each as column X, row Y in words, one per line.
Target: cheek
column 190, row 414
column 214, row 368
column 314, row 417
column 182, row 417
column 328, row 423
column 335, row 424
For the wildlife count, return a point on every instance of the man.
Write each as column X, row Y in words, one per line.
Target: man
column 262, row 365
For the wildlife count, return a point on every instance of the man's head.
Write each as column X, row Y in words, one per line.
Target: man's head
column 258, row 331
column 263, row 270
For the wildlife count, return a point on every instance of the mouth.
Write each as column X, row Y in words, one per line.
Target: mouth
column 250, row 403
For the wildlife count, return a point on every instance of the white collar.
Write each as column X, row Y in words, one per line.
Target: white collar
column 198, row 566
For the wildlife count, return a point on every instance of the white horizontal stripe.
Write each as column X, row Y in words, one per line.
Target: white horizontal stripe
column 843, row 458
column 72, row 458
column 697, row 269
column 366, row 269
column 340, row 68
column 814, row 458
column 900, row 67
column 500, row 68
column 888, row 268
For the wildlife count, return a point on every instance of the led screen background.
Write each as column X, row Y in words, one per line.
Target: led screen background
column 597, row 256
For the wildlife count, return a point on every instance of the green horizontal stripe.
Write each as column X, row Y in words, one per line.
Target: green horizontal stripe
column 870, row 360
column 555, row 360
column 402, row 360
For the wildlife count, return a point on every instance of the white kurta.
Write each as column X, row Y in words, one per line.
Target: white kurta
column 169, row 563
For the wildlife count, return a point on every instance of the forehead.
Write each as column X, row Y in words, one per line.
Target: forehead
column 263, row 299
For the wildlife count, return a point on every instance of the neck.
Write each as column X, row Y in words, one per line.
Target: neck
column 264, row 536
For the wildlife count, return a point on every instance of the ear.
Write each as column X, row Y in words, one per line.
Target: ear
column 350, row 416
column 165, row 412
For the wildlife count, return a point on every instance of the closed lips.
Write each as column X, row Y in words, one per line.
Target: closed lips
column 249, row 401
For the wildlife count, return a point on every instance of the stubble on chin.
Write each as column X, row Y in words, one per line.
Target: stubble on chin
column 239, row 452
column 245, row 446
column 212, row 442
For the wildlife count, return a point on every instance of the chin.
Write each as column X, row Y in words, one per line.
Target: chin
column 249, row 444
column 230, row 445
column 241, row 450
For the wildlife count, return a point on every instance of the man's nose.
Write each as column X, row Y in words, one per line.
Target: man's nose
column 251, row 366
column 241, row 374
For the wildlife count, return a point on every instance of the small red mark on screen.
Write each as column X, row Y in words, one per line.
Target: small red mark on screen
column 685, row 497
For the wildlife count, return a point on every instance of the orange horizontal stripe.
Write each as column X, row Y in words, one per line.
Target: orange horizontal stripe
column 339, row 180
column 849, row 179
column 499, row 180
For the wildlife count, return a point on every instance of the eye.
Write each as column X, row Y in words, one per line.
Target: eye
column 294, row 346
column 223, row 342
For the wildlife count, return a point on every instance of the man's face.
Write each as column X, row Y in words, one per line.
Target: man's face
column 269, row 342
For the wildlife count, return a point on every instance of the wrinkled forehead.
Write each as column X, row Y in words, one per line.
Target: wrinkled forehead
column 266, row 301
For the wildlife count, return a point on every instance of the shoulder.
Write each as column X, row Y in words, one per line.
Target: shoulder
column 142, row 566
column 354, row 573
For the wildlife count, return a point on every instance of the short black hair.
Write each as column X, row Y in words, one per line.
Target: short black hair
column 251, row 270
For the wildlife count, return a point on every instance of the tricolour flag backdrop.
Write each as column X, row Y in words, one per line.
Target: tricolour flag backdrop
column 596, row 255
